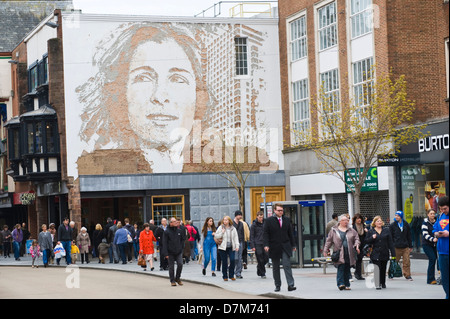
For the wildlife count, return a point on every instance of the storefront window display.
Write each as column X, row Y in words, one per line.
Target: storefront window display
column 422, row 186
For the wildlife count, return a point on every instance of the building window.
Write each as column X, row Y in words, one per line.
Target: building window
column 327, row 26
column 38, row 140
column 300, row 100
column 330, row 83
column 14, row 143
column 298, row 38
column 38, row 74
column 43, row 70
column 50, row 137
column 240, row 45
column 33, row 78
column 362, row 87
column 330, row 103
column 362, row 81
column 167, row 206
column 361, row 17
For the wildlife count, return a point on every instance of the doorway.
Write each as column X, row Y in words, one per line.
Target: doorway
column 273, row 195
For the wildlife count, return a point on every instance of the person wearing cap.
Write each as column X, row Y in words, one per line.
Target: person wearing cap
column 401, row 235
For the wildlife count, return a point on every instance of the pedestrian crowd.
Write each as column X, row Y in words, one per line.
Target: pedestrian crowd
column 351, row 243
column 227, row 245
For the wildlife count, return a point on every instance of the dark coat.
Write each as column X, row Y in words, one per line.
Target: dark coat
column 402, row 239
column 173, row 241
column 381, row 245
column 277, row 238
column 256, row 234
column 64, row 234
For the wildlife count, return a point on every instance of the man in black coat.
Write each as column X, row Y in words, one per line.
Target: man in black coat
column 401, row 236
column 257, row 244
column 279, row 243
column 173, row 243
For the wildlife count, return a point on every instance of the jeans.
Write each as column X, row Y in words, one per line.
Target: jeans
column 431, row 253
column 46, row 254
column 210, row 251
column 136, row 248
column 443, row 265
column 227, row 270
column 238, row 259
column 16, row 248
column 179, row 260
column 67, row 247
column 286, row 262
column 122, row 250
column 343, row 275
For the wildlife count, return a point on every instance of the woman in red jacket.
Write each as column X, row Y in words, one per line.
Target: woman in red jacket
column 146, row 239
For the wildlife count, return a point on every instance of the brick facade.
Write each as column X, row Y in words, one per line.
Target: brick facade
column 409, row 39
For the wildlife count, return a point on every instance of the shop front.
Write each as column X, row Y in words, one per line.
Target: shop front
column 308, row 226
column 422, row 176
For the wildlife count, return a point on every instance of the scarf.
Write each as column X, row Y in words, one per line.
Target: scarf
column 400, row 224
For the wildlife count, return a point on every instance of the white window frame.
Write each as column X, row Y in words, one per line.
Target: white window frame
column 301, row 121
column 331, row 89
column 363, row 80
column 361, row 17
column 298, row 38
column 327, row 26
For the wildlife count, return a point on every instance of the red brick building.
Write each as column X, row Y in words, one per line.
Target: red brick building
column 333, row 42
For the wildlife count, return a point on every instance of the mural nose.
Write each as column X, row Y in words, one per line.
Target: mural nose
column 160, row 95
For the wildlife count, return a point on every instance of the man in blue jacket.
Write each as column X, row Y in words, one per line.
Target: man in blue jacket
column 441, row 232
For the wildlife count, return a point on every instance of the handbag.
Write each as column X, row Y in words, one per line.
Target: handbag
column 394, row 269
column 141, row 261
column 335, row 256
column 367, row 250
column 218, row 240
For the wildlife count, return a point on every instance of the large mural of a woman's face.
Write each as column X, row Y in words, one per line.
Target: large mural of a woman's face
column 150, row 87
column 161, row 93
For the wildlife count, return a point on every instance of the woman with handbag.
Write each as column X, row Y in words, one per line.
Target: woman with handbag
column 381, row 241
column 146, row 249
column 227, row 234
column 345, row 240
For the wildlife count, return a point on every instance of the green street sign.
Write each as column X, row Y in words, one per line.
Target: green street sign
column 370, row 184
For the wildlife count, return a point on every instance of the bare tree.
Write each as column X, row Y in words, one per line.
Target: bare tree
column 377, row 121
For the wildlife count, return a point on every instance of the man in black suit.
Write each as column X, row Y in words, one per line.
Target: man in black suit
column 279, row 243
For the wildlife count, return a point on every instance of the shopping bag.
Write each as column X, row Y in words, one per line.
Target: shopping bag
column 394, row 269
column 59, row 251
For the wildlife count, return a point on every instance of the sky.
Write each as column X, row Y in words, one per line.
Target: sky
column 149, row 7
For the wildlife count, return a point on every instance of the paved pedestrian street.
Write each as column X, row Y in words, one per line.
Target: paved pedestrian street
column 311, row 282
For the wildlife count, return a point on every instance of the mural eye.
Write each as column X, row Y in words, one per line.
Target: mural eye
column 176, row 78
column 143, row 78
